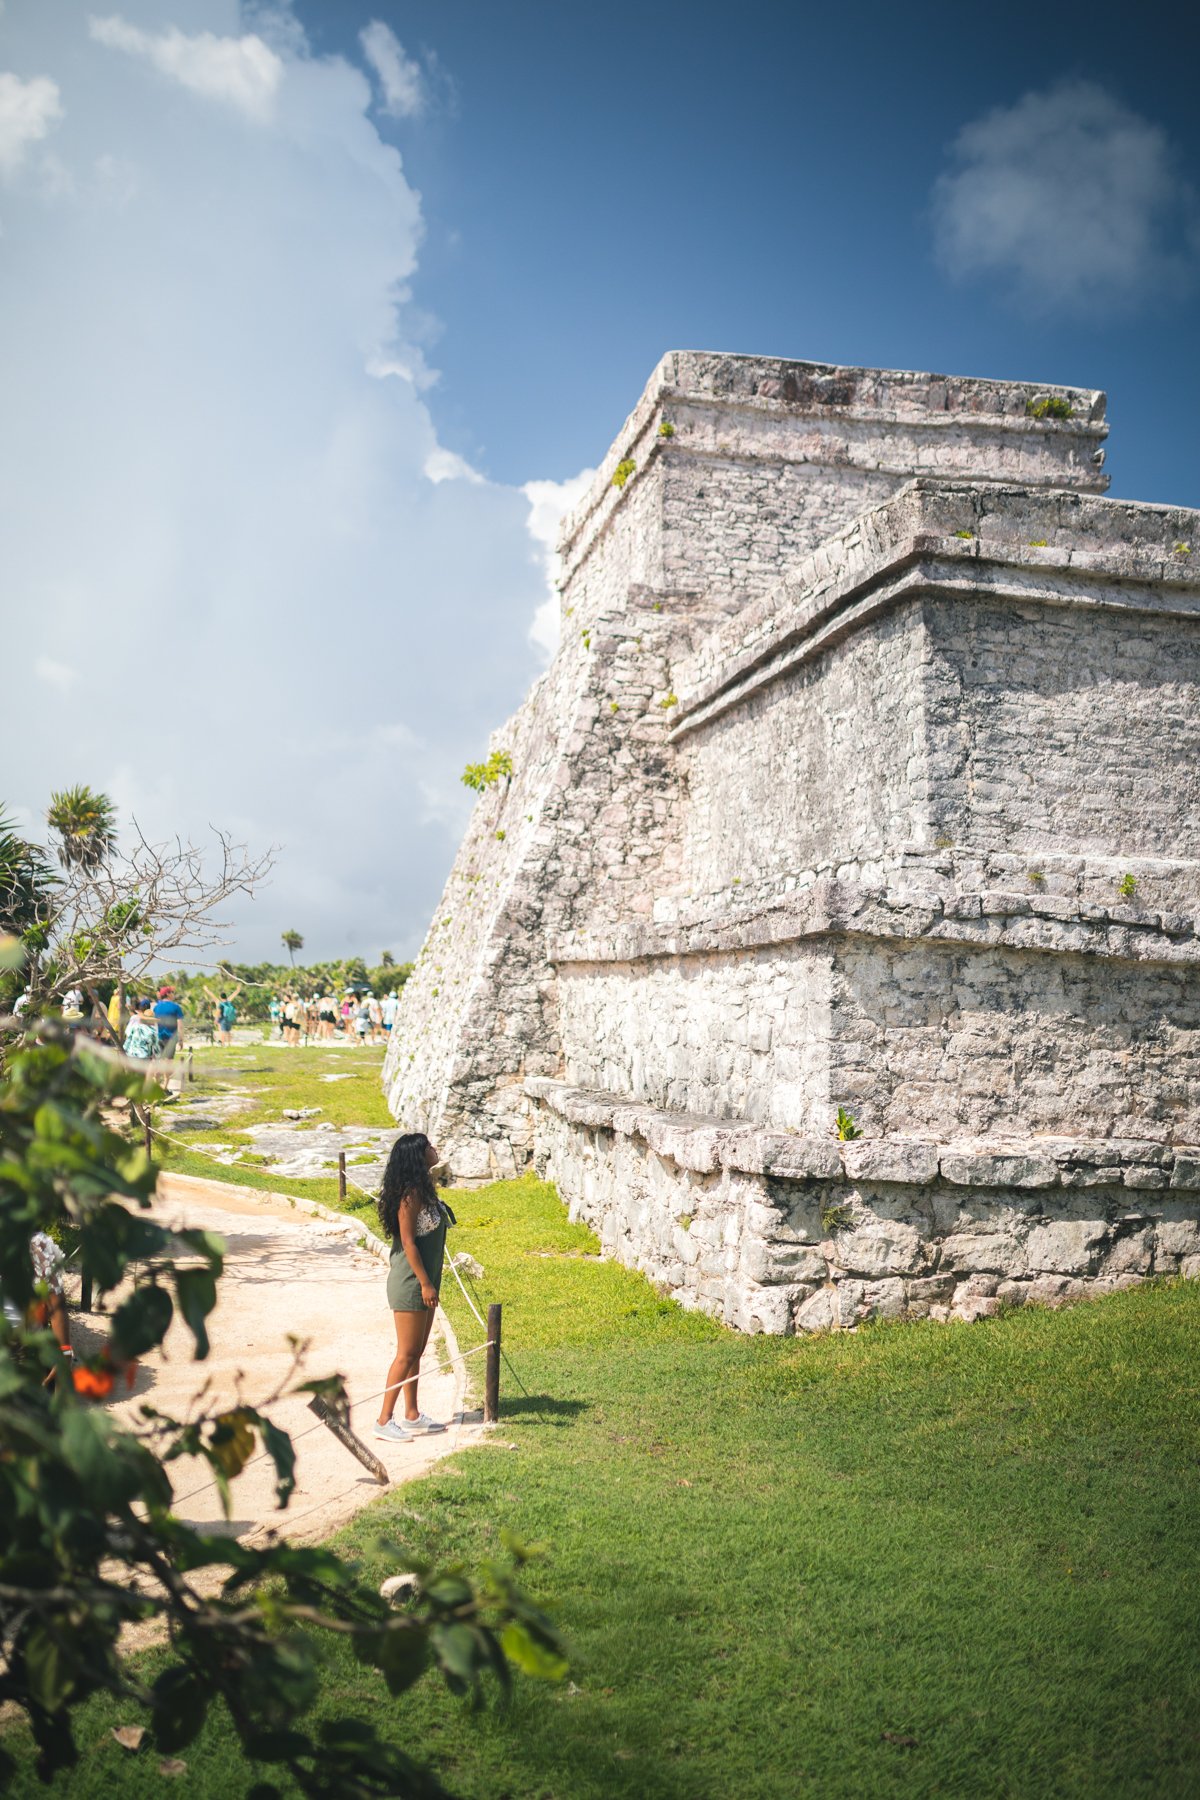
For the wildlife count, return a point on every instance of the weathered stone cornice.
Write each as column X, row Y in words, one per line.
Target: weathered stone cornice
column 1049, row 923
column 910, row 548
column 704, row 1144
column 802, row 412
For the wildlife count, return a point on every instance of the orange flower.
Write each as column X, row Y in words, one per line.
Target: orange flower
column 93, row 1384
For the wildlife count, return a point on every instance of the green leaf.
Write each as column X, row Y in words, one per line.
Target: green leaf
column 180, row 1708
column 399, row 1652
column 278, row 1446
column 456, row 1650
column 109, row 1466
column 141, row 1322
column 530, row 1655
column 196, row 1290
column 49, row 1675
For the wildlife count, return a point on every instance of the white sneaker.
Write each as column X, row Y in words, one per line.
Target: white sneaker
column 392, row 1433
column 423, row 1422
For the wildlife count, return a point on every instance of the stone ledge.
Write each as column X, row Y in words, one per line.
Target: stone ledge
column 704, row 1144
column 846, row 906
column 910, row 545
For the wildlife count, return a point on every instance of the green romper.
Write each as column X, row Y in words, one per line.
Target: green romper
column 403, row 1288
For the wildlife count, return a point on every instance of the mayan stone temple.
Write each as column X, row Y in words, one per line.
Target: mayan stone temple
column 866, row 780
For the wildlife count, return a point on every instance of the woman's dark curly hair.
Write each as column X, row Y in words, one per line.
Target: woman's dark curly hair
column 406, row 1173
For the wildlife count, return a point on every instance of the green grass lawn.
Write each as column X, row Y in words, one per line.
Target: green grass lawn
column 915, row 1560
column 272, row 1077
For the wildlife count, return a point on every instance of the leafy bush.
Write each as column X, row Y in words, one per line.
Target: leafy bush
column 1051, row 406
column 666, row 429
column 1127, row 887
column 89, row 1541
column 623, row 471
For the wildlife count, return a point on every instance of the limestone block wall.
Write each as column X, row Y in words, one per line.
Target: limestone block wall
column 766, row 458
column 1052, row 734
column 829, row 798
column 780, row 1233
column 911, row 1033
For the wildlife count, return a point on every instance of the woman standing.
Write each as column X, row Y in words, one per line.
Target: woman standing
column 415, row 1219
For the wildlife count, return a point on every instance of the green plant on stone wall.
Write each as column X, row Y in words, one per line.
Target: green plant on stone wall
column 587, row 639
column 964, row 534
column 1037, row 543
column 666, row 429
column 623, row 471
column 1038, row 878
column 834, row 1217
column 1127, row 887
column 845, row 1128
column 669, row 700
column 614, row 706
column 479, row 776
column 1050, row 406
column 1182, row 549
column 500, row 836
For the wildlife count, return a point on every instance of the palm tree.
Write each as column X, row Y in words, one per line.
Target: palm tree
column 26, row 879
column 292, row 941
column 85, row 824
column 387, row 960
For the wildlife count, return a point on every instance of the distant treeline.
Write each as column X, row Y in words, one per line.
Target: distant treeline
column 262, row 980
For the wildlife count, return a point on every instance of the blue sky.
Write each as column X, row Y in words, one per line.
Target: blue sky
column 315, row 316
column 602, row 185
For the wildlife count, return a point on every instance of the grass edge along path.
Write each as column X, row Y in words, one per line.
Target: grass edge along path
column 914, row 1560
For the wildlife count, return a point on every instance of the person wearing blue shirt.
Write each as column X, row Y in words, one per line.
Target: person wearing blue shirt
column 168, row 1019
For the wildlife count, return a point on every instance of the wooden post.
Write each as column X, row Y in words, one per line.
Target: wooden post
column 341, row 1178
column 149, row 1133
column 85, row 1293
column 191, row 1073
column 491, row 1389
column 344, row 1435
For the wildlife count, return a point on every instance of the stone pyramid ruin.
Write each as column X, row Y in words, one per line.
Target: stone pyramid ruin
column 863, row 795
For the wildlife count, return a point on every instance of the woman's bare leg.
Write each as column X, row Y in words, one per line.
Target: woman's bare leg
column 412, row 1329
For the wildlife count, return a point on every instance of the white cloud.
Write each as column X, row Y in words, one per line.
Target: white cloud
column 399, row 76
column 549, row 504
column 28, row 111
column 446, row 465
column 56, row 674
column 243, row 72
column 1071, row 200
column 282, row 625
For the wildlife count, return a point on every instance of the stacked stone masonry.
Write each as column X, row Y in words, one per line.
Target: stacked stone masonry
column 866, row 777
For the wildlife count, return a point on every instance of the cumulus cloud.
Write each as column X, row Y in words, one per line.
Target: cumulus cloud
column 244, row 72
column 399, row 76
column 1070, row 200
column 281, row 623
column 549, row 504
column 447, row 465
column 28, row 111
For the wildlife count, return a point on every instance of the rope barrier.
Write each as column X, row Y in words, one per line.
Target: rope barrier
column 196, row 1149
column 354, row 1404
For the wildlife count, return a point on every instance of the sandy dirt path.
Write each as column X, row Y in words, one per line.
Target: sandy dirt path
column 287, row 1272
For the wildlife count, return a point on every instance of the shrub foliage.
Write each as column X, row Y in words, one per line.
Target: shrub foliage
column 89, row 1543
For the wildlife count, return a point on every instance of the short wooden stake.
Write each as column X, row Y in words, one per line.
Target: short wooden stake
column 341, row 1178
column 345, row 1436
column 191, row 1073
column 491, row 1389
column 149, row 1133
column 85, row 1293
